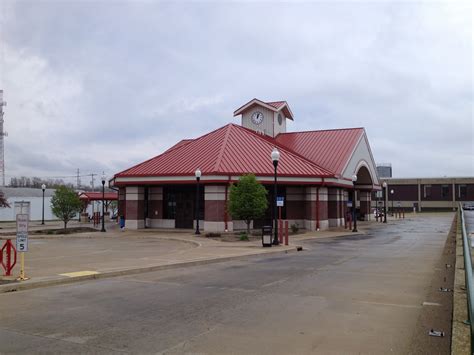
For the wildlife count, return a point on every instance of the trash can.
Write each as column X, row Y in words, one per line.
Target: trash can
column 122, row 222
column 267, row 236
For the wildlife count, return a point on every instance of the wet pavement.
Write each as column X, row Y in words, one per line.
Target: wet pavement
column 353, row 294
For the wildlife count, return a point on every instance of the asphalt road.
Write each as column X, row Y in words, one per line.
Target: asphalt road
column 350, row 295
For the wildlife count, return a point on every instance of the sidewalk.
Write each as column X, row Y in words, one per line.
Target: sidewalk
column 54, row 260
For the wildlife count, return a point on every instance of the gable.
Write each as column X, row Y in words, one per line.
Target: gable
column 361, row 157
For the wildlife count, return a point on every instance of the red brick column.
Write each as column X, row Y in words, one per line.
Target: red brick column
column 134, row 207
column 365, row 200
column 334, row 210
column 121, row 210
column 215, row 209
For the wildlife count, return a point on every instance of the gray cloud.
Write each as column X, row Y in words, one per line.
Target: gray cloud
column 103, row 85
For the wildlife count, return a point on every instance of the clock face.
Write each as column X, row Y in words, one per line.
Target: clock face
column 257, row 117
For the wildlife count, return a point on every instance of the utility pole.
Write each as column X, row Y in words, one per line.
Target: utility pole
column 78, row 179
column 2, row 144
column 92, row 181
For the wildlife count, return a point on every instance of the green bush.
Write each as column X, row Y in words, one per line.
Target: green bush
column 213, row 235
column 294, row 228
column 244, row 236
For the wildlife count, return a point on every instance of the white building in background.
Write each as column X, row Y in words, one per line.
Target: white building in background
column 27, row 200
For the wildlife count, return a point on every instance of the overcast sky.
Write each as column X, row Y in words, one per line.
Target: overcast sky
column 102, row 85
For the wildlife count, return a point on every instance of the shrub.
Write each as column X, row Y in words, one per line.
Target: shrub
column 294, row 227
column 244, row 236
column 213, row 235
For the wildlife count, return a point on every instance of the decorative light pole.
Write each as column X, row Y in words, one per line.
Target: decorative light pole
column 275, row 158
column 384, row 194
column 197, row 173
column 354, row 217
column 103, row 202
column 43, row 187
column 391, row 197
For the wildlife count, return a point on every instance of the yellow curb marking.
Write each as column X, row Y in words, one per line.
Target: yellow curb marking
column 79, row 273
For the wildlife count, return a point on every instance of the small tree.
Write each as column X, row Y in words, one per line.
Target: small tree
column 247, row 200
column 65, row 204
column 3, row 201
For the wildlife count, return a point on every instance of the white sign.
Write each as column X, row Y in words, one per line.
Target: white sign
column 280, row 201
column 22, row 232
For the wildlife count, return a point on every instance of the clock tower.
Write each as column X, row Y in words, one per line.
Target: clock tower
column 265, row 117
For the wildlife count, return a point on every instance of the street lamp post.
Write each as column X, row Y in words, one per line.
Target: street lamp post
column 43, row 187
column 103, row 203
column 275, row 158
column 384, row 194
column 391, row 197
column 197, row 173
column 354, row 179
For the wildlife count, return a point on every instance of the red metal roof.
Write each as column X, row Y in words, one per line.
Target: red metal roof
column 97, row 196
column 330, row 149
column 179, row 144
column 229, row 150
column 276, row 104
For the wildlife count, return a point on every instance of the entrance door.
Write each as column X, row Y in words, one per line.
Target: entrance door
column 184, row 209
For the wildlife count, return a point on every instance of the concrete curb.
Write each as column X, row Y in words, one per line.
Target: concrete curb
column 31, row 284
column 460, row 340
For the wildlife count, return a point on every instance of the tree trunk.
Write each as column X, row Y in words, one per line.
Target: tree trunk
column 65, row 224
column 248, row 227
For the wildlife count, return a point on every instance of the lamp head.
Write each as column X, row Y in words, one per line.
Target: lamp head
column 354, row 178
column 43, row 187
column 384, row 185
column 275, row 155
column 197, row 173
column 103, row 178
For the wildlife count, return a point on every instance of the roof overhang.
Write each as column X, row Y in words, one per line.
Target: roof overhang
column 287, row 180
column 284, row 108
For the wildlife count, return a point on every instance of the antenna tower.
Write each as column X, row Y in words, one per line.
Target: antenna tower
column 2, row 134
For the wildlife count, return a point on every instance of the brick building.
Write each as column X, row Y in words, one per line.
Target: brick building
column 428, row 194
column 314, row 174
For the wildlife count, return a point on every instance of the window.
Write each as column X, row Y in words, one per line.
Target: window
column 169, row 208
column 426, row 191
column 462, row 191
column 445, row 191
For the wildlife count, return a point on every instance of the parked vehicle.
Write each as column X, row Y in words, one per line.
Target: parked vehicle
column 468, row 207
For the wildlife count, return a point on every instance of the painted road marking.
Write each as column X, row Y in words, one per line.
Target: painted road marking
column 388, row 304
column 431, row 304
column 79, row 273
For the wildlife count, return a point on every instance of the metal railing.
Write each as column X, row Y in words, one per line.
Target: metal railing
column 466, row 242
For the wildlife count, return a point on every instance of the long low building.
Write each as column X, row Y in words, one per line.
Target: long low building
column 315, row 174
column 427, row 194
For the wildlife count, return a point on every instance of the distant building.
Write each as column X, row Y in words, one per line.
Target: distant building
column 428, row 194
column 27, row 200
column 384, row 170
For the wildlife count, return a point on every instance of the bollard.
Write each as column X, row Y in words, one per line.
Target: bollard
column 280, row 231
column 286, row 232
column 7, row 264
